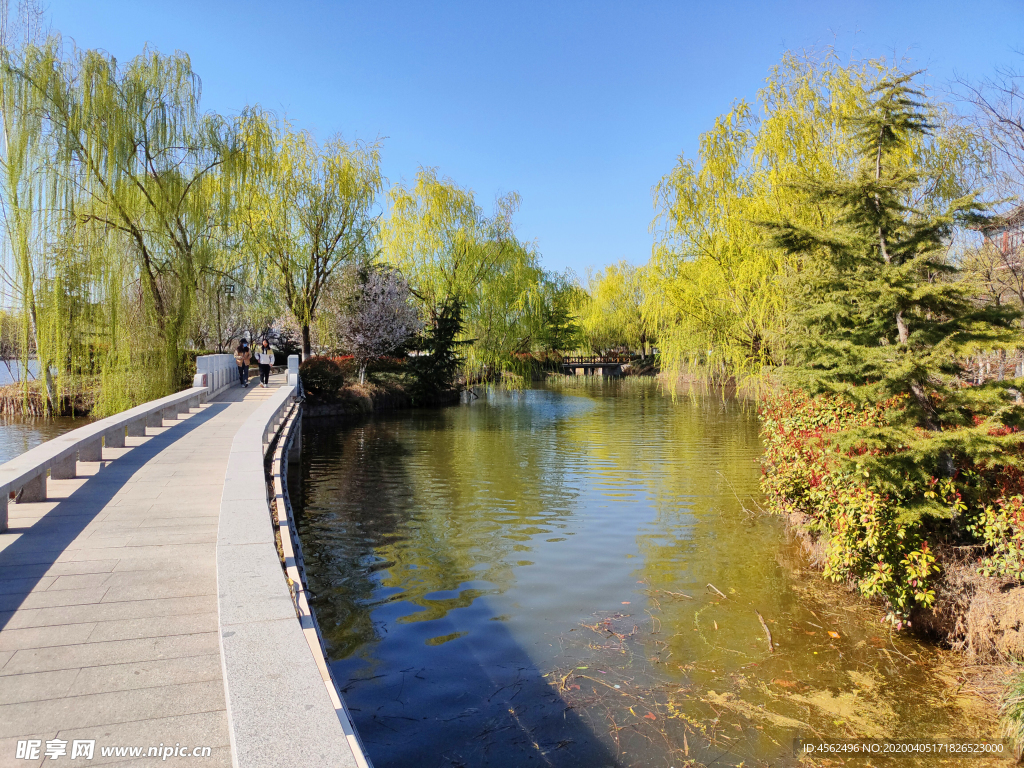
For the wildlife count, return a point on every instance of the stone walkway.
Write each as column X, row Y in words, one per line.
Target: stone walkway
column 108, row 599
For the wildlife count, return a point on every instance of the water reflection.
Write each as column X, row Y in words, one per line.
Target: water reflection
column 527, row 578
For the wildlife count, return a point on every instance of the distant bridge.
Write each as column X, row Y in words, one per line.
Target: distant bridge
column 606, row 365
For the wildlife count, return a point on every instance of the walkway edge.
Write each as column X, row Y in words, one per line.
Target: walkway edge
column 279, row 712
column 295, row 570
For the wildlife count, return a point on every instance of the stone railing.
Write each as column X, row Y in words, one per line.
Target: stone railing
column 25, row 476
column 215, row 372
column 269, row 671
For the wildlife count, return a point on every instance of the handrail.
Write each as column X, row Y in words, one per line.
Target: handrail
column 25, row 475
column 610, row 360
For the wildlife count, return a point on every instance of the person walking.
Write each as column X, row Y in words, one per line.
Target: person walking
column 265, row 359
column 242, row 359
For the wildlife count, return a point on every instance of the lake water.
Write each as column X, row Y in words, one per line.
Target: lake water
column 19, row 433
column 571, row 576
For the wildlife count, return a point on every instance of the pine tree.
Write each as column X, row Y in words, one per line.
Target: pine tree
column 880, row 314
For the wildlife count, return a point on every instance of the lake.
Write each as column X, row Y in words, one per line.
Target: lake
column 571, row 575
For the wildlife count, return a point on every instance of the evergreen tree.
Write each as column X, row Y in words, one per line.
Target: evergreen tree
column 436, row 370
column 880, row 314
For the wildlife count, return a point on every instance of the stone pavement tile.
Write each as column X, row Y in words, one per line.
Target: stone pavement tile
column 247, row 569
column 22, row 586
column 8, row 751
column 75, row 614
column 185, row 551
column 124, row 501
column 113, row 527
column 187, row 517
column 147, row 674
column 15, row 559
column 161, row 571
column 159, row 626
column 204, row 729
column 4, row 656
column 103, row 709
column 36, row 686
column 79, row 581
column 169, row 588
column 200, row 534
column 44, row 637
column 28, row 546
column 39, row 570
column 164, row 509
column 178, row 525
column 52, row 599
column 163, row 562
column 102, row 539
column 115, row 652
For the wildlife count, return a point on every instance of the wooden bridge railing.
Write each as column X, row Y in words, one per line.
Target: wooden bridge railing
column 606, row 360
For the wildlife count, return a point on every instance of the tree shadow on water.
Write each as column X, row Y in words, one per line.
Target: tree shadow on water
column 472, row 698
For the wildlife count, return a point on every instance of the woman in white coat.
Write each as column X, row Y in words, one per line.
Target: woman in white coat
column 265, row 359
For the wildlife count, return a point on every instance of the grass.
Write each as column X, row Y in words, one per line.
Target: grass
column 1012, row 714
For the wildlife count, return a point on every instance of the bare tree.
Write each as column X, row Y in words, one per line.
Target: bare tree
column 996, row 110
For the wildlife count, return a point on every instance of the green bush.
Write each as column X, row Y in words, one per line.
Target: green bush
column 820, row 454
column 867, row 540
column 322, row 376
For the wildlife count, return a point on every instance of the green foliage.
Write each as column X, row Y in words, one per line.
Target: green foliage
column 449, row 250
column 115, row 185
column 321, row 376
column 877, row 315
column 308, row 210
column 714, row 289
column 612, row 317
column 807, row 474
column 437, row 366
column 561, row 332
column 1000, row 526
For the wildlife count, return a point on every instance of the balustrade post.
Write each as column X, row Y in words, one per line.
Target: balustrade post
column 33, row 490
column 3, row 512
column 65, row 469
column 114, row 438
column 91, row 451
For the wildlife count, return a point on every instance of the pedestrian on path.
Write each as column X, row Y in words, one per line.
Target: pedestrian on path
column 265, row 358
column 242, row 359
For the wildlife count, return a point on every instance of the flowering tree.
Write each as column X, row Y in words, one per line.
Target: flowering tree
column 379, row 317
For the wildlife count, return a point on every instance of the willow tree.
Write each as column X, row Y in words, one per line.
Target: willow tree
column 718, row 287
column 143, row 180
column 452, row 252
column 714, row 287
column 613, row 316
column 308, row 210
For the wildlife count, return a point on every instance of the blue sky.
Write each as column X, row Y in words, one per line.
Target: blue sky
column 580, row 107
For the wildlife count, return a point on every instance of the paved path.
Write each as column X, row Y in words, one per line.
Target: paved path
column 108, row 598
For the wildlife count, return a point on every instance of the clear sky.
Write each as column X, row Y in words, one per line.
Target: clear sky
column 580, row 107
